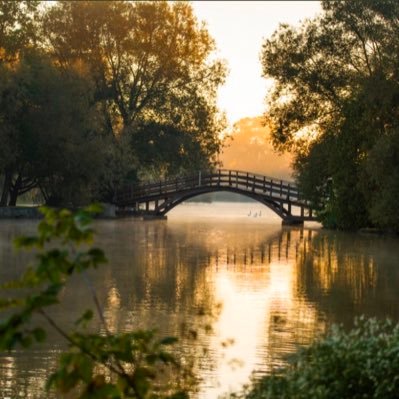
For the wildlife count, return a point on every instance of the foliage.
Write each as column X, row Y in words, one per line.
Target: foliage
column 361, row 363
column 149, row 65
column 48, row 132
column 164, row 150
column 85, row 86
column 119, row 167
column 336, row 94
column 111, row 365
column 382, row 175
column 18, row 24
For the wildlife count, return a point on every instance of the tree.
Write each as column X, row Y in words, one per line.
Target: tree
column 164, row 150
column 149, row 64
column 18, row 22
column 381, row 176
column 48, row 126
column 335, row 96
column 119, row 75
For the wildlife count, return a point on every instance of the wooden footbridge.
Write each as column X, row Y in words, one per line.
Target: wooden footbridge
column 158, row 198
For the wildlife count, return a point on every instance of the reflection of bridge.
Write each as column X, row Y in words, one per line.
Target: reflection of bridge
column 282, row 247
column 158, row 198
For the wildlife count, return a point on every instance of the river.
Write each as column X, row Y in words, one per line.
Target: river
column 264, row 289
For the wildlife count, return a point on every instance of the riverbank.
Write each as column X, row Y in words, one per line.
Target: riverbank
column 20, row 212
column 33, row 212
column 109, row 212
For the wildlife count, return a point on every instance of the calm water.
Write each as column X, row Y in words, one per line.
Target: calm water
column 276, row 287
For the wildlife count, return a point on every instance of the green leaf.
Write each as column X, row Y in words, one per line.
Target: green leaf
column 39, row 334
column 9, row 303
column 168, row 341
column 97, row 256
column 94, row 208
column 26, row 242
column 85, row 318
column 167, row 358
column 141, row 379
column 179, row 395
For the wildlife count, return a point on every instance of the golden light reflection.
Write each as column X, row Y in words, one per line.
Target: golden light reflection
column 279, row 289
column 252, row 318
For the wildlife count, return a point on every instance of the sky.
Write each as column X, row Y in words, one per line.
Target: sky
column 239, row 28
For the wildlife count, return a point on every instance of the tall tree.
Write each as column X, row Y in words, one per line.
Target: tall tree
column 112, row 82
column 18, row 27
column 335, row 96
column 149, row 62
column 48, row 128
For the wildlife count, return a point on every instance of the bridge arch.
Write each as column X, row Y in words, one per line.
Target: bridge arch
column 167, row 206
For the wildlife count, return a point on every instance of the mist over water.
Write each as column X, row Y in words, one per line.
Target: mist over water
column 272, row 288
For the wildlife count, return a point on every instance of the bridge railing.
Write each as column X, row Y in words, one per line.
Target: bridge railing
column 233, row 179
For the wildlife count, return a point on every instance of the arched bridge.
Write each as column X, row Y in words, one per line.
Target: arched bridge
column 160, row 197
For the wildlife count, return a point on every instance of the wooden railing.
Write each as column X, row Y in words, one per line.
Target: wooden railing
column 232, row 179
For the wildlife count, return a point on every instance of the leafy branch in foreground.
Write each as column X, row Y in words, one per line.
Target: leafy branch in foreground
column 128, row 365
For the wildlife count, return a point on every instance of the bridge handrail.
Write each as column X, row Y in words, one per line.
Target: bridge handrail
column 277, row 188
column 244, row 172
column 204, row 174
column 285, row 184
column 220, row 174
column 291, row 182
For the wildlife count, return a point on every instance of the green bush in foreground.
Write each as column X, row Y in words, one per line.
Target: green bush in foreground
column 135, row 364
column 361, row 363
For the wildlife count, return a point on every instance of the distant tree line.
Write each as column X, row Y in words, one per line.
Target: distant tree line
column 335, row 103
column 94, row 95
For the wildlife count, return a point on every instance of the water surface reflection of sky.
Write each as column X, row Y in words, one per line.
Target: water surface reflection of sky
column 278, row 288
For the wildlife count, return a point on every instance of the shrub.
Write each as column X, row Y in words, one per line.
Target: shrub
column 361, row 363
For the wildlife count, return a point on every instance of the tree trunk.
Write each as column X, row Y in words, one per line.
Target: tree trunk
column 14, row 191
column 6, row 188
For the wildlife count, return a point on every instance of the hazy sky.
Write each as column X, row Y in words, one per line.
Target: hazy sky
column 239, row 28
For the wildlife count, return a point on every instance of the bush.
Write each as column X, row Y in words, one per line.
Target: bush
column 361, row 363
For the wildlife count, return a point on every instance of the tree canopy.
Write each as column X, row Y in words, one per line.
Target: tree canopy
column 102, row 83
column 48, row 141
column 335, row 103
column 149, row 62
